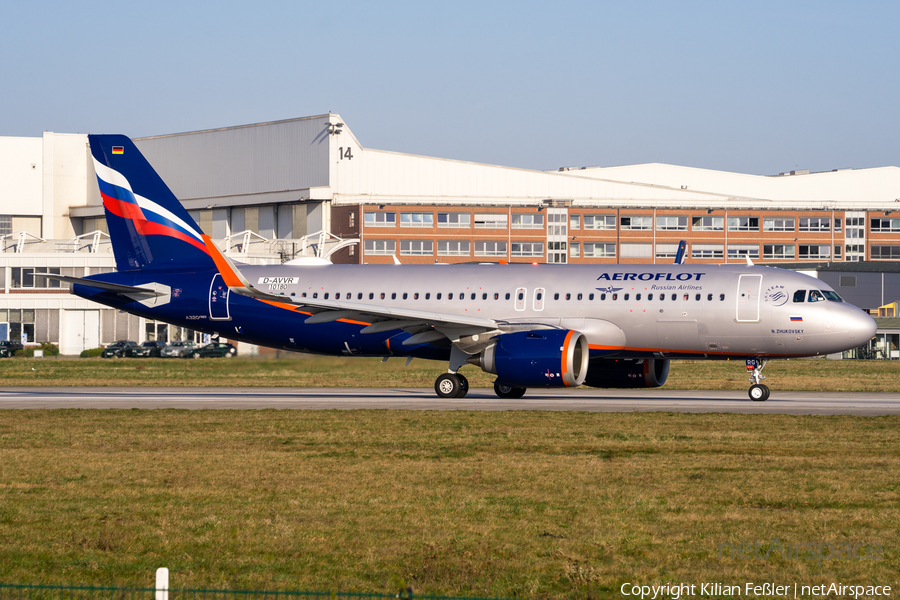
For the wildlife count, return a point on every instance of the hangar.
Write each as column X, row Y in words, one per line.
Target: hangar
column 272, row 191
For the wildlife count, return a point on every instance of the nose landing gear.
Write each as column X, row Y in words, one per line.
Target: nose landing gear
column 758, row 392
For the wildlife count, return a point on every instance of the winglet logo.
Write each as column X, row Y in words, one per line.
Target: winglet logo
column 149, row 217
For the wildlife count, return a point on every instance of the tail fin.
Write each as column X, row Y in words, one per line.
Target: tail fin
column 148, row 226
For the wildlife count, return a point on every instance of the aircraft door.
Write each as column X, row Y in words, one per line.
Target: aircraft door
column 218, row 300
column 748, row 292
column 520, row 298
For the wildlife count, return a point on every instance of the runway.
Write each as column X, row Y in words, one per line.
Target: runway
column 587, row 400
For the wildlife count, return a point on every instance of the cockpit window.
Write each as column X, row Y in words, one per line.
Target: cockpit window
column 816, row 296
column 799, row 295
column 832, row 296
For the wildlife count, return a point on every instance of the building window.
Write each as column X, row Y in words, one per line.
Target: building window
column 599, row 250
column 527, row 249
column 837, row 224
column 353, row 219
column 21, row 325
column 22, row 278
column 575, row 249
column 817, row 252
column 847, row 281
column 599, row 221
column 666, row 250
column 416, row 219
column 381, row 247
column 416, row 247
column 886, row 225
column 527, row 221
column 574, row 221
column 556, row 251
column 743, row 251
column 708, row 250
column 454, row 220
column 818, row 223
column 885, row 252
column 453, row 248
column 637, row 250
column 489, row 248
column 671, row 223
column 640, row 222
column 381, row 219
column 778, row 250
column 778, row 224
column 5, row 224
column 556, row 224
column 490, row 221
column 837, row 251
column 743, row 223
column 352, row 250
column 708, row 223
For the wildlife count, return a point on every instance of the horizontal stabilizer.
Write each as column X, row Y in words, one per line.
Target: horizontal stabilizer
column 102, row 285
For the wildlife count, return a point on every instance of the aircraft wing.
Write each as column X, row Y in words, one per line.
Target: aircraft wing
column 117, row 288
column 424, row 325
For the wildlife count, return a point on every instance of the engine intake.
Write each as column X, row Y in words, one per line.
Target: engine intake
column 608, row 373
column 541, row 358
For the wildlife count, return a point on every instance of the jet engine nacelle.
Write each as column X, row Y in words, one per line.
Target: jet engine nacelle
column 541, row 358
column 609, row 373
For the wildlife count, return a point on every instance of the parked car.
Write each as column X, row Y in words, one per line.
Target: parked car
column 8, row 349
column 178, row 349
column 147, row 349
column 118, row 349
column 213, row 350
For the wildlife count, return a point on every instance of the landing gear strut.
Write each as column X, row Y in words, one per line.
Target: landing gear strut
column 758, row 392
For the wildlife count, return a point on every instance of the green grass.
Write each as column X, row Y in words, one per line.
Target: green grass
column 524, row 504
column 830, row 375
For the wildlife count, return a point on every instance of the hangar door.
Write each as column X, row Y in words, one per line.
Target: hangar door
column 748, row 290
column 80, row 331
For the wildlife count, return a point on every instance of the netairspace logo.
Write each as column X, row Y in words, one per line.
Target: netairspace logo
column 674, row 591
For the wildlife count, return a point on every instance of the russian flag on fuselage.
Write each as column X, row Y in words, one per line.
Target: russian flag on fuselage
column 148, row 226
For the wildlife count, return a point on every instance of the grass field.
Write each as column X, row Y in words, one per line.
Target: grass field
column 833, row 375
column 535, row 505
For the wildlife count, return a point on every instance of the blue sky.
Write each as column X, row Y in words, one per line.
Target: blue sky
column 755, row 87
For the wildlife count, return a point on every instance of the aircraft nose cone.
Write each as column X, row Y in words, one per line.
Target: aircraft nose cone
column 861, row 326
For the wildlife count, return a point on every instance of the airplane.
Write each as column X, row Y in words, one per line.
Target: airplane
column 532, row 325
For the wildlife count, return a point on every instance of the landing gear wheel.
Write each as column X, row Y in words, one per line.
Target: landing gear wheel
column 463, row 386
column 506, row 391
column 448, row 385
column 758, row 392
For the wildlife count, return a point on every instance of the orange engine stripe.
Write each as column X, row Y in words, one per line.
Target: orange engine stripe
column 565, row 353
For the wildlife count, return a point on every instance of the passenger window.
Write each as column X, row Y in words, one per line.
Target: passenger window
column 507, row 295
column 358, row 296
column 649, row 296
column 579, row 296
column 603, row 296
column 816, row 296
column 540, row 296
column 615, row 296
column 721, row 297
column 416, row 296
column 556, row 296
column 326, row 295
column 371, row 295
column 521, row 296
column 484, row 296
column 626, row 297
column 568, row 296
column 637, row 296
column 428, row 296
column 337, row 296
column 473, row 296
column 315, row 294
column 394, row 295
column 438, row 296
column 662, row 297
column 799, row 295
column 496, row 296
column 697, row 297
column 591, row 297
column 709, row 297
column 382, row 295
column 687, row 297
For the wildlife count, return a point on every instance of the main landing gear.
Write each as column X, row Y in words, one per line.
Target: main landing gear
column 506, row 391
column 758, row 392
column 451, row 385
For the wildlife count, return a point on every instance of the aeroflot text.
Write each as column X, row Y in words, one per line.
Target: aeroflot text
column 651, row 276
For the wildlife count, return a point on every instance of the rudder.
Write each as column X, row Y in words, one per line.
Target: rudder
column 148, row 226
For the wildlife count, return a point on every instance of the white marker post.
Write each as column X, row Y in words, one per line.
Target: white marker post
column 162, row 583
